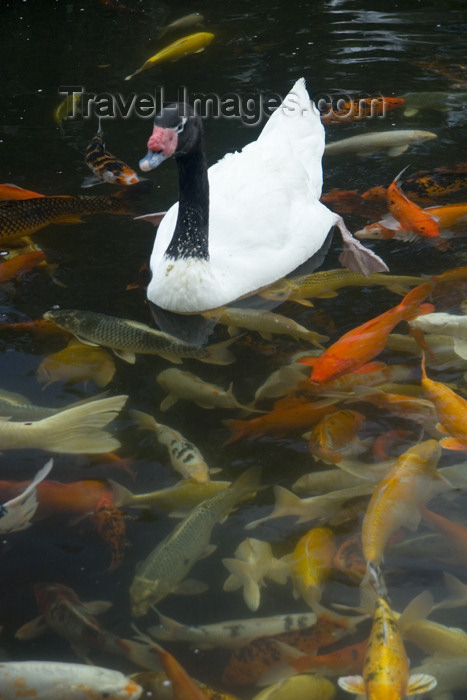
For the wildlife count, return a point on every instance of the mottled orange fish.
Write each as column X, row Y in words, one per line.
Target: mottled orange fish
column 361, row 344
column 410, row 215
column 105, row 166
column 386, row 667
column 20, row 264
column 111, row 527
column 451, row 410
column 23, row 217
column 356, row 109
column 335, row 436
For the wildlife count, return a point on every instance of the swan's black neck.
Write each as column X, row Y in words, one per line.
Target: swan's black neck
column 190, row 238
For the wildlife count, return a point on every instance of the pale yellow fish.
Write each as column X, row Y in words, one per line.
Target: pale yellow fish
column 165, row 568
column 253, row 562
column 394, row 141
column 442, row 354
column 281, row 382
column 77, row 363
column 184, row 456
column 266, row 323
column 432, row 637
column 183, row 496
column 311, row 563
column 192, row 20
column 325, row 283
column 72, row 431
column 185, row 385
column 303, row 687
column 193, row 43
column 453, row 325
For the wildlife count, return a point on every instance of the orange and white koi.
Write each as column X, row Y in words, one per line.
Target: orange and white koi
column 451, row 410
column 361, row 344
column 110, row 523
column 335, row 436
column 311, row 563
column 105, row 166
column 47, row 679
column 396, row 501
column 386, row 667
column 63, row 612
column 410, row 215
column 20, row 264
column 447, row 217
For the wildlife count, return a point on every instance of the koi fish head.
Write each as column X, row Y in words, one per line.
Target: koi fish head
column 144, row 593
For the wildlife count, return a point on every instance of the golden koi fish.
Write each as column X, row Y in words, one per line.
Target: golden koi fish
column 193, row 43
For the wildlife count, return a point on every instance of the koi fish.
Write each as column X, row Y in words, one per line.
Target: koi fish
column 74, row 430
column 9, row 191
column 386, row 667
column 441, row 354
column 368, row 375
column 77, row 363
column 20, row 264
column 128, row 338
column 451, row 325
column 311, row 563
column 450, row 409
column 281, row 421
column 335, row 436
column 185, row 457
column 156, row 684
column 302, row 687
column 325, row 283
column 282, row 381
column 394, row 142
column 439, row 101
column 47, row 679
column 193, row 43
column 250, row 663
column 110, row 523
column 185, row 385
column 356, row 109
column 105, row 166
column 423, row 187
column 183, row 496
column 232, row 633
column 16, row 513
column 68, row 108
column 396, row 501
column 266, row 323
column 18, row 407
column 410, row 215
column 409, row 407
column 361, row 344
column 62, row 611
column 194, row 19
column 253, row 562
column 164, row 569
column 349, row 558
column 38, row 327
column 24, row 217
column 456, row 533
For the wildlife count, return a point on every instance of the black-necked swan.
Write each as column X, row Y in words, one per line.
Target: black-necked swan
column 249, row 220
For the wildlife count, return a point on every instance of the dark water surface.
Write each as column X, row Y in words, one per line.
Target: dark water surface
column 340, row 47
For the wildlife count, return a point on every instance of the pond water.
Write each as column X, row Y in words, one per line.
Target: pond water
column 341, row 47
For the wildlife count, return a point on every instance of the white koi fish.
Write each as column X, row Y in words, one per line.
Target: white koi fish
column 185, row 385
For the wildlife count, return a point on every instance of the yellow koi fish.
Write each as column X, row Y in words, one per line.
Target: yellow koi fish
column 311, row 563
column 77, row 363
column 185, row 385
column 451, row 411
column 193, row 43
column 386, row 667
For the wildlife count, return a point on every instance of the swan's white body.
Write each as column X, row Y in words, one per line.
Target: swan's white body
column 265, row 217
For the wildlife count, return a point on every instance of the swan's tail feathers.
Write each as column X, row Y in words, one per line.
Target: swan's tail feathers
column 78, row 430
column 355, row 256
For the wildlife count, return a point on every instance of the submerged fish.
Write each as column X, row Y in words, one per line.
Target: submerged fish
column 311, row 563
column 110, row 523
column 128, row 338
column 10, row 191
column 68, row 108
column 163, row 571
column 183, row 496
column 184, row 456
column 105, row 166
column 193, row 43
column 74, row 430
column 77, row 363
column 48, row 679
column 303, row 687
column 63, row 612
column 410, row 216
column 452, row 325
column 16, row 513
column 16, row 267
column 232, row 633
column 393, row 141
column 439, row 101
column 193, row 19
column 24, row 217
column 185, row 385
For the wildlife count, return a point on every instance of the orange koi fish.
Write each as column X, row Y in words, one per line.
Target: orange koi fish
column 390, row 228
column 183, row 686
column 455, row 532
column 9, row 191
column 311, row 563
column 105, row 166
column 369, row 374
column 396, row 501
column 386, row 667
column 451, row 410
column 39, row 327
column 356, row 109
column 15, row 267
column 425, row 187
column 361, row 344
column 252, row 661
column 408, row 407
column 335, row 436
column 410, row 215
column 346, row 660
column 281, row 421
column 111, row 528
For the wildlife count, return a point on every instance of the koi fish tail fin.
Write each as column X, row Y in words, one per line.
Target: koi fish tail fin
column 241, row 575
column 78, row 430
column 355, row 256
column 457, row 593
column 142, row 654
column 239, row 429
column 219, row 353
column 420, row 683
column 352, row 684
column 418, row 609
column 409, row 306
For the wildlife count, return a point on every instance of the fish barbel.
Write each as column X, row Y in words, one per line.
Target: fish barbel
column 167, row 565
column 394, row 142
column 128, row 338
column 22, row 217
column 74, row 430
column 193, row 43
